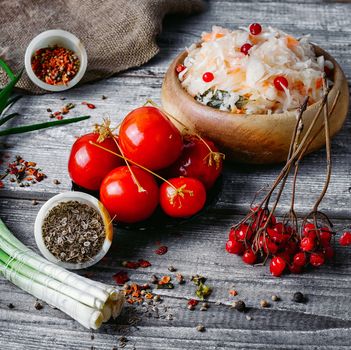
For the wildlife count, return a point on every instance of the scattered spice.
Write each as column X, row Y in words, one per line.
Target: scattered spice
column 55, row 65
column 38, row 305
column 275, row 298
column 204, row 306
column 164, row 280
column 203, row 291
column 161, row 250
column 103, row 97
column 73, row 232
column 192, row 304
column 56, row 182
column 249, row 318
column 298, row 297
column 172, row 268
column 92, row 337
column 59, row 114
column 11, row 306
column 264, row 303
column 180, row 278
column 34, row 202
column 154, row 279
column 136, row 264
column 239, row 306
column 133, row 293
column 23, row 172
column 233, row 292
column 121, row 277
column 200, row 328
column 89, row 105
column 165, row 286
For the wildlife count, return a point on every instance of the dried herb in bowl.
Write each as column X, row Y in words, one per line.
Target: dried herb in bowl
column 73, row 232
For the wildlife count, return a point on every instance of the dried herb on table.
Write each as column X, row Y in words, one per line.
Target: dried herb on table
column 203, row 291
column 22, row 172
column 73, row 232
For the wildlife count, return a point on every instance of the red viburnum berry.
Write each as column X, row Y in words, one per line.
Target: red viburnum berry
column 277, row 266
column 234, row 247
column 249, row 257
column 307, row 244
column 345, row 239
column 300, row 259
column 317, row 259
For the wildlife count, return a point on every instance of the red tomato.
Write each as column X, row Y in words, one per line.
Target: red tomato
column 88, row 164
column 149, row 138
column 121, row 197
column 187, row 200
column 197, row 161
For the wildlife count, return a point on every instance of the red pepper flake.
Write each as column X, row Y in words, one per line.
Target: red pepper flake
column 89, row 105
column 144, row 263
column 55, row 65
column 192, row 302
column 1, row 184
column 130, row 264
column 161, row 250
column 23, row 172
column 121, row 277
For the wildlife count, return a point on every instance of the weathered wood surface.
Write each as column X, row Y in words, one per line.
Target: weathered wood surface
column 324, row 322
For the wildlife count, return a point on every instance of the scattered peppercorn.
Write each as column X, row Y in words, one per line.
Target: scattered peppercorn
column 56, row 182
column 275, row 298
column 38, row 305
column 180, row 278
column 239, row 306
column 298, row 297
column 92, row 337
column 11, row 306
column 154, row 279
column 103, row 97
column 264, row 303
column 172, row 268
column 34, row 202
column 249, row 318
column 200, row 328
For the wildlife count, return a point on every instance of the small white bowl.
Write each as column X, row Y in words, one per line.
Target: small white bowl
column 82, row 198
column 61, row 38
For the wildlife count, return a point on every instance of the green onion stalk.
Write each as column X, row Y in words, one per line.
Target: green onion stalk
column 88, row 302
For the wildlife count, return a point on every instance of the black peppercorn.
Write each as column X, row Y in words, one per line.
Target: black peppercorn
column 298, row 297
column 239, row 305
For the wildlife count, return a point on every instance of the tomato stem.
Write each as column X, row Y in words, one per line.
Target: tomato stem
column 135, row 163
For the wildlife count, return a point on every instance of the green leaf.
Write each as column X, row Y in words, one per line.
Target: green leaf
column 7, row 90
column 8, row 117
column 165, row 286
column 12, row 100
column 7, row 69
column 203, row 291
column 27, row 128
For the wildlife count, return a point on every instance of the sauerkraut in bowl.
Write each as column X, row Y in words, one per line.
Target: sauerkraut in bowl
column 254, row 70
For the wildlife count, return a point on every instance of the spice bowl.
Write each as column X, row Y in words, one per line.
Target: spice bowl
column 63, row 39
column 81, row 198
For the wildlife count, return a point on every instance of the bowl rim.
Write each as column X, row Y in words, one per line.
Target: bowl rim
column 82, row 198
column 337, row 77
column 66, row 37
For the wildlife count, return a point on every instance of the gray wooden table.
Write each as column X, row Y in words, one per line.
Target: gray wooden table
column 324, row 322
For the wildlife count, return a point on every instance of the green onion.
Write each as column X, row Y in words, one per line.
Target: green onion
column 7, row 118
column 32, row 127
column 88, row 302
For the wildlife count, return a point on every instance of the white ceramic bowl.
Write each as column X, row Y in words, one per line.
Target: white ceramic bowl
column 82, row 198
column 61, row 38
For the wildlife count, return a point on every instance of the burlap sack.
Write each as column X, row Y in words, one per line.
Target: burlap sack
column 117, row 34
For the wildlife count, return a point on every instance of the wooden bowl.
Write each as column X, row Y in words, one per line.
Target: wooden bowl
column 254, row 138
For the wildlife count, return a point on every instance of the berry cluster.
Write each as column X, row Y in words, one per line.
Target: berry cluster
column 260, row 236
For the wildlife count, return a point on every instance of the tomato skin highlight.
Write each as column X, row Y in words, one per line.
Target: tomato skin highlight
column 191, row 200
column 120, row 195
column 194, row 162
column 88, row 164
column 149, row 138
